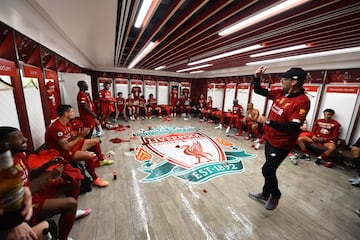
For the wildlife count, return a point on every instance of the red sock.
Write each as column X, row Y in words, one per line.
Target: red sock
column 89, row 165
column 66, row 222
column 97, row 150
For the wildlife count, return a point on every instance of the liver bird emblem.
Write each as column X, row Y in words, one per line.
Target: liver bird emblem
column 196, row 150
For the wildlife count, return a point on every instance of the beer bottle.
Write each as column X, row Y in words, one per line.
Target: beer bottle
column 11, row 190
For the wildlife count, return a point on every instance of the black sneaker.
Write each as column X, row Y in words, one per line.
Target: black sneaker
column 257, row 196
column 305, row 157
column 318, row 160
column 272, row 202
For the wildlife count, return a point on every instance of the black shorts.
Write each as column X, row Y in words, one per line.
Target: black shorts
column 357, row 143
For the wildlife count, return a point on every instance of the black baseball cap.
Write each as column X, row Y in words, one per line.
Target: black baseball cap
column 295, row 74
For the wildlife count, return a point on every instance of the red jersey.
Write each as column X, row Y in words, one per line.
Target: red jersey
column 55, row 132
column 130, row 101
column 21, row 162
column 209, row 104
column 186, row 92
column 238, row 110
column 152, row 102
column 106, row 101
column 105, row 96
column 86, row 118
column 328, row 130
column 120, row 103
column 174, row 96
column 202, row 102
column 136, row 91
column 142, row 102
column 285, row 109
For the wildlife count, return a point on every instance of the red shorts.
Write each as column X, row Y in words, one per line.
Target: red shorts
column 120, row 108
column 69, row 154
column 174, row 102
column 88, row 121
column 106, row 109
column 49, row 191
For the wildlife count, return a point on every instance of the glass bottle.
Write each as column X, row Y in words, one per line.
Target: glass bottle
column 11, row 190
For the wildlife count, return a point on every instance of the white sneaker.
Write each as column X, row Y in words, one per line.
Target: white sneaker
column 356, row 182
column 353, row 179
column 185, row 118
column 256, row 140
column 257, row 146
column 227, row 130
column 219, row 126
column 159, row 117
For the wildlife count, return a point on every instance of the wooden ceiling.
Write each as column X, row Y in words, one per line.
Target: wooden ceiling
column 187, row 30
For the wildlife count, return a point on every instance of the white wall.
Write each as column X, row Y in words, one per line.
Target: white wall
column 8, row 116
column 69, row 88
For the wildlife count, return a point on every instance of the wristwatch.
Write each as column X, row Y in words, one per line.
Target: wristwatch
column 267, row 122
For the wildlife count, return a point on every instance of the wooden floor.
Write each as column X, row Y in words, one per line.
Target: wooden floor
column 316, row 203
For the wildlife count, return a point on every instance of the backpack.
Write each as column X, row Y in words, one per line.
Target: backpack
column 86, row 183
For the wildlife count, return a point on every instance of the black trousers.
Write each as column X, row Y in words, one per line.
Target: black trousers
column 274, row 157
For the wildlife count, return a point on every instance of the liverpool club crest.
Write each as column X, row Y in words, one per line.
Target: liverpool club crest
column 186, row 153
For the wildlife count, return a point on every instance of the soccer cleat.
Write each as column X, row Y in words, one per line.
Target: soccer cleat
column 238, row 134
column 257, row 196
column 159, row 117
column 357, row 212
column 305, row 157
column 353, row 179
column 227, row 130
column 247, row 138
column 80, row 213
column 219, row 126
column 100, row 182
column 356, row 182
column 105, row 162
column 318, row 160
column 185, row 118
column 272, row 202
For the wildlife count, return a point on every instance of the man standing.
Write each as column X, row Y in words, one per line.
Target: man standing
column 87, row 110
column 282, row 128
column 106, row 102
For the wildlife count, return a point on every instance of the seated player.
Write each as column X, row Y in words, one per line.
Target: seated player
column 326, row 132
column 200, row 106
column 24, row 230
column 152, row 106
column 207, row 109
column 120, row 107
column 72, row 146
column 252, row 115
column 235, row 115
column 173, row 101
column 45, row 186
column 87, row 110
column 142, row 107
column 130, row 107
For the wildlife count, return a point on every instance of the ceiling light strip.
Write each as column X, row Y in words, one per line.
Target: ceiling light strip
column 145, row 6
column 280, row 50
column 227, row 54
column 199, row 71
column 309, row 55
column 193, row 68
column 143, row 53
column 282, row 7
column 159, row 68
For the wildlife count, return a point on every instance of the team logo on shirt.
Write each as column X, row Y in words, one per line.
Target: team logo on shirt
column 186, row 153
